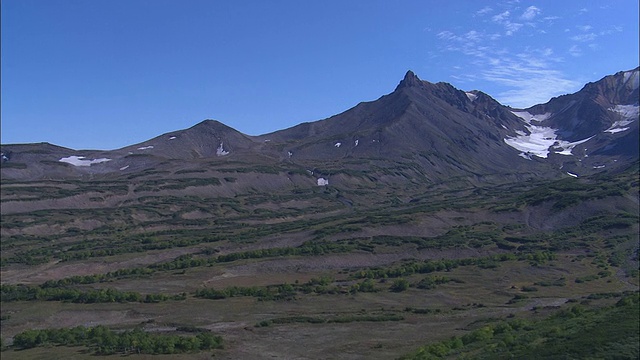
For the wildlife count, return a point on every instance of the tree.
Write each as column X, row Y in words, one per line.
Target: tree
column 400, row 285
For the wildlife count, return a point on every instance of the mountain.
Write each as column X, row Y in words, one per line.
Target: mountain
column 598, row 123
column 444, row 131
column 435, row 130
column 351, row 237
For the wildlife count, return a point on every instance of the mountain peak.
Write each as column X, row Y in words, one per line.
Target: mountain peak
column 410, row 79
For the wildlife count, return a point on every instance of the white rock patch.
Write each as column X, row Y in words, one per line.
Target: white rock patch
column 82, row 161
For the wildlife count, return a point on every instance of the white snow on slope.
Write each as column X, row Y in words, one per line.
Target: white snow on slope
column 540, row 139
column 220, row 151
column 124, row 167
column 572, row 174
column 357, row 142
column 471, row 96
column 528, row 117
column 146, row 147
column 323, row 182
column 171, row 138
column 566, row 147
column 629, row 114
column 82, row 161
column 338, row 144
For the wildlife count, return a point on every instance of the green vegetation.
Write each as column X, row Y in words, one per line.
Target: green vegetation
column 34, row 293
column 602, row 333
column 429, row 266
column 104, row 341
column 338, row 319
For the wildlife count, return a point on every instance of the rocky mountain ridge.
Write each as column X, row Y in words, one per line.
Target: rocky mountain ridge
column 441, row 131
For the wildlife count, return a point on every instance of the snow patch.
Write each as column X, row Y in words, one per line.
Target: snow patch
column 338, row 144
column 471, row 96
column 528, row 117
column 124, row 167
column 572, row 174
column 536, row 143
column 566, row 147
column 171, row 138
column 617, row 130
column 220, row 151
column 290, row 153
column 356, row 142
column 599, row 167
column 323, row 182
column 82, row 161
column 629, row 114
column 539, row 139
column 146, row 147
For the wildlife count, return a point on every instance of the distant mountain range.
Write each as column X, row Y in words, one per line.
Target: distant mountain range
column 420, row 132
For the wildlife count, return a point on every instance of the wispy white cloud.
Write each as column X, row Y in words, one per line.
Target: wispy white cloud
column 585, row 28
column 584, row 37
column 528, row 83
column 614, row 29
column 512, row 28
column 575, row 50
column 504, row 19
column 503, row 16
column 484, row 11
column 530, row 13
column 526, row 76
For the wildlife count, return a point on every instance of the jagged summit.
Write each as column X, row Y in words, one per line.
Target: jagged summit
column 410, row 79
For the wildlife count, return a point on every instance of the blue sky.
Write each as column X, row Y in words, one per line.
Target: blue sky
column 103, row 74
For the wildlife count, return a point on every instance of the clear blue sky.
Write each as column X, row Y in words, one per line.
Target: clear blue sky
column 102, row 74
